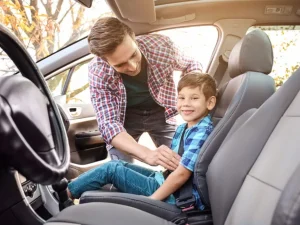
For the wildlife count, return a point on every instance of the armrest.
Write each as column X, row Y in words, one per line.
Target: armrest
column 158, row 208
column 104, row 213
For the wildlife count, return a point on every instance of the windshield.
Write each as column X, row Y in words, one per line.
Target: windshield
column 46, row 26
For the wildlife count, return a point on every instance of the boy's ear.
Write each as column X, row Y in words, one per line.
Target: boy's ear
column 211, row 102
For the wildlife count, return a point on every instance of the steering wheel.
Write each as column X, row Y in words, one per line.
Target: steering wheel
column 32, row 136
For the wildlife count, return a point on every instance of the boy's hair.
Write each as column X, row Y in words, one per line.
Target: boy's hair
column 204, row 81
column 106, row 34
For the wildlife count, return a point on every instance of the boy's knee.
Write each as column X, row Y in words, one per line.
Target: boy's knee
column 112, row 165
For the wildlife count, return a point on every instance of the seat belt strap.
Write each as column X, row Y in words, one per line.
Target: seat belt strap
column 185, row 199
column 222, row 67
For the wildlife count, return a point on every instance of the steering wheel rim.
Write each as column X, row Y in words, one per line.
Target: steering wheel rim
column 33, row 138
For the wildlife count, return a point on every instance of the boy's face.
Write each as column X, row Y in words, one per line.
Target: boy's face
column 192, row 105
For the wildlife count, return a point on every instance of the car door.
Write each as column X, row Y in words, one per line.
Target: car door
column 70, row 89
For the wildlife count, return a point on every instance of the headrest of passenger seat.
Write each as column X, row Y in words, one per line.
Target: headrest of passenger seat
column 252, row 53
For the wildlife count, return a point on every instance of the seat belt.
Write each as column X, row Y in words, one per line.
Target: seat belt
column 222, row 67
column 185, row 199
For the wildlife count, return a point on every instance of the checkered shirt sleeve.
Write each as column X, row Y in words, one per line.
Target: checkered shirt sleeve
column 102, row 91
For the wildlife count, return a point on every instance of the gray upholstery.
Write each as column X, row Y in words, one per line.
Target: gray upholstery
column 244, row 92
column 161, row 209
column 253, row 179
column 251, row 53
column 288, row 209
column 104, row 213
column 251, row 169
column 249, row 90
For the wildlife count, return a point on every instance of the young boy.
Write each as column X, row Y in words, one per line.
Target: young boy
column 196, row 97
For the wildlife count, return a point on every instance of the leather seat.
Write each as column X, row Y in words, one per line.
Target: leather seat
column 254, row 178
column 250, row 61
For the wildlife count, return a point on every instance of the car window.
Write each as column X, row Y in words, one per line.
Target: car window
column 198, row 42
column 57, row 82
column 7, row 65
column 45, row 27
column 285, row 42
column 78, row 88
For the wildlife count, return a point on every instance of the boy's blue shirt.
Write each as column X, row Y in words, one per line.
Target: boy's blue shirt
column 194, row 138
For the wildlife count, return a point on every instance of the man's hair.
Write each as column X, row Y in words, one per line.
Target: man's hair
column 204, row 81
column 106, row 34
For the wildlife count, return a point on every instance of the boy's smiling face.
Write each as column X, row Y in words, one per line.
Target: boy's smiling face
column 192, row 105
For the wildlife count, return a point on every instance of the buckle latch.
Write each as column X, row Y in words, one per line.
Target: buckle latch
column 186, row 204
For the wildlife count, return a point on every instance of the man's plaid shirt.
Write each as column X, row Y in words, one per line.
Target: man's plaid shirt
column 108, row 93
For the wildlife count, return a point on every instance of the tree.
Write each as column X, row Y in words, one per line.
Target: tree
column 37, row 23
column 41, row 26
column 285, row 39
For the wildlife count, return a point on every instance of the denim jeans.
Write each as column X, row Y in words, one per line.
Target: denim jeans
column 153, row 121
column 126, row 177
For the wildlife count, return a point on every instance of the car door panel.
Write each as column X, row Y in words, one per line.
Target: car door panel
column 71, row 93
column 85, row 141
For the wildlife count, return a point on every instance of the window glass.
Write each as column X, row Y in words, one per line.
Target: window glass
column 286, row 43
column 56, row 83
column 198, row 42
column 7, row 65
column 78, row 89
column 44, row 27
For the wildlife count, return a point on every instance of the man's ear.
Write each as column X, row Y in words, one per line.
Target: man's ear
column 211, row 102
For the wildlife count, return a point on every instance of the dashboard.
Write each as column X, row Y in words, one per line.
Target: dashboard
column 40, row 198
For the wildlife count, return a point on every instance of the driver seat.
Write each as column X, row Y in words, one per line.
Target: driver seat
column 246, row 90
column 254, row 178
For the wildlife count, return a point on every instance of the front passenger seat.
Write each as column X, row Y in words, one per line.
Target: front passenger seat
column 252, row 180
column 251, row 59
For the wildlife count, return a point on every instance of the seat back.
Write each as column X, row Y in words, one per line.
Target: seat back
column 251, row 59
column 251, row 179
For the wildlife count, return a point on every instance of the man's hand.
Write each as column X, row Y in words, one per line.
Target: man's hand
column 163, row 156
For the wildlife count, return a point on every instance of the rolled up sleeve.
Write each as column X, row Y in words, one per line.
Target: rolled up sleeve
column 105, row 104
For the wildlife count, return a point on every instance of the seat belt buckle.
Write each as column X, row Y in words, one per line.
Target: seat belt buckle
column 186, row 204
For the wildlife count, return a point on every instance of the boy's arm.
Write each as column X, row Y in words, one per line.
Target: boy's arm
column 177, row 178
column 174, row 181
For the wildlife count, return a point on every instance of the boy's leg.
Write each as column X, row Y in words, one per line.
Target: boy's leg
column 114, row 172
column 139, row 169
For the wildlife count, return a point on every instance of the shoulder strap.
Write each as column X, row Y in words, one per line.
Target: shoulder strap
column 184, row 196
column 181, row 143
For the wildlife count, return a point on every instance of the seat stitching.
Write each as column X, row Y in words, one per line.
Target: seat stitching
column 264, row 182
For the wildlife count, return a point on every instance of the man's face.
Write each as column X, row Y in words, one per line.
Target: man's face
column 127, row 57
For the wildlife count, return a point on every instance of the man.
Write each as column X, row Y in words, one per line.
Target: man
column 132, row 90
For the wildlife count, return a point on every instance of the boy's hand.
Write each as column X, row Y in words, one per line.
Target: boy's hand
column 163, row 156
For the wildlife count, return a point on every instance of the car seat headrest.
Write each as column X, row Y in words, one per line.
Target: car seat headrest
column 252, row 53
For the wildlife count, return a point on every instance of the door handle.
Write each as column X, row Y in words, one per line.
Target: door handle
column 74, row 111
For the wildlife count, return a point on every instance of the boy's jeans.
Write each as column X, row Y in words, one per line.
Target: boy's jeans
column 153, row 121
column 126, row 177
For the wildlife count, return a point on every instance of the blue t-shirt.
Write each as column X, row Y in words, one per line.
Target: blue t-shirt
column 194, row 138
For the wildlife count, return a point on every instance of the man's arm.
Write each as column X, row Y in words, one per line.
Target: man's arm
column 163, row 155
column 184, row 62
column 111, row 127
column 174, row 181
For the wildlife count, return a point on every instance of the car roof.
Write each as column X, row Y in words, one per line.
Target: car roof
column 148, row 15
